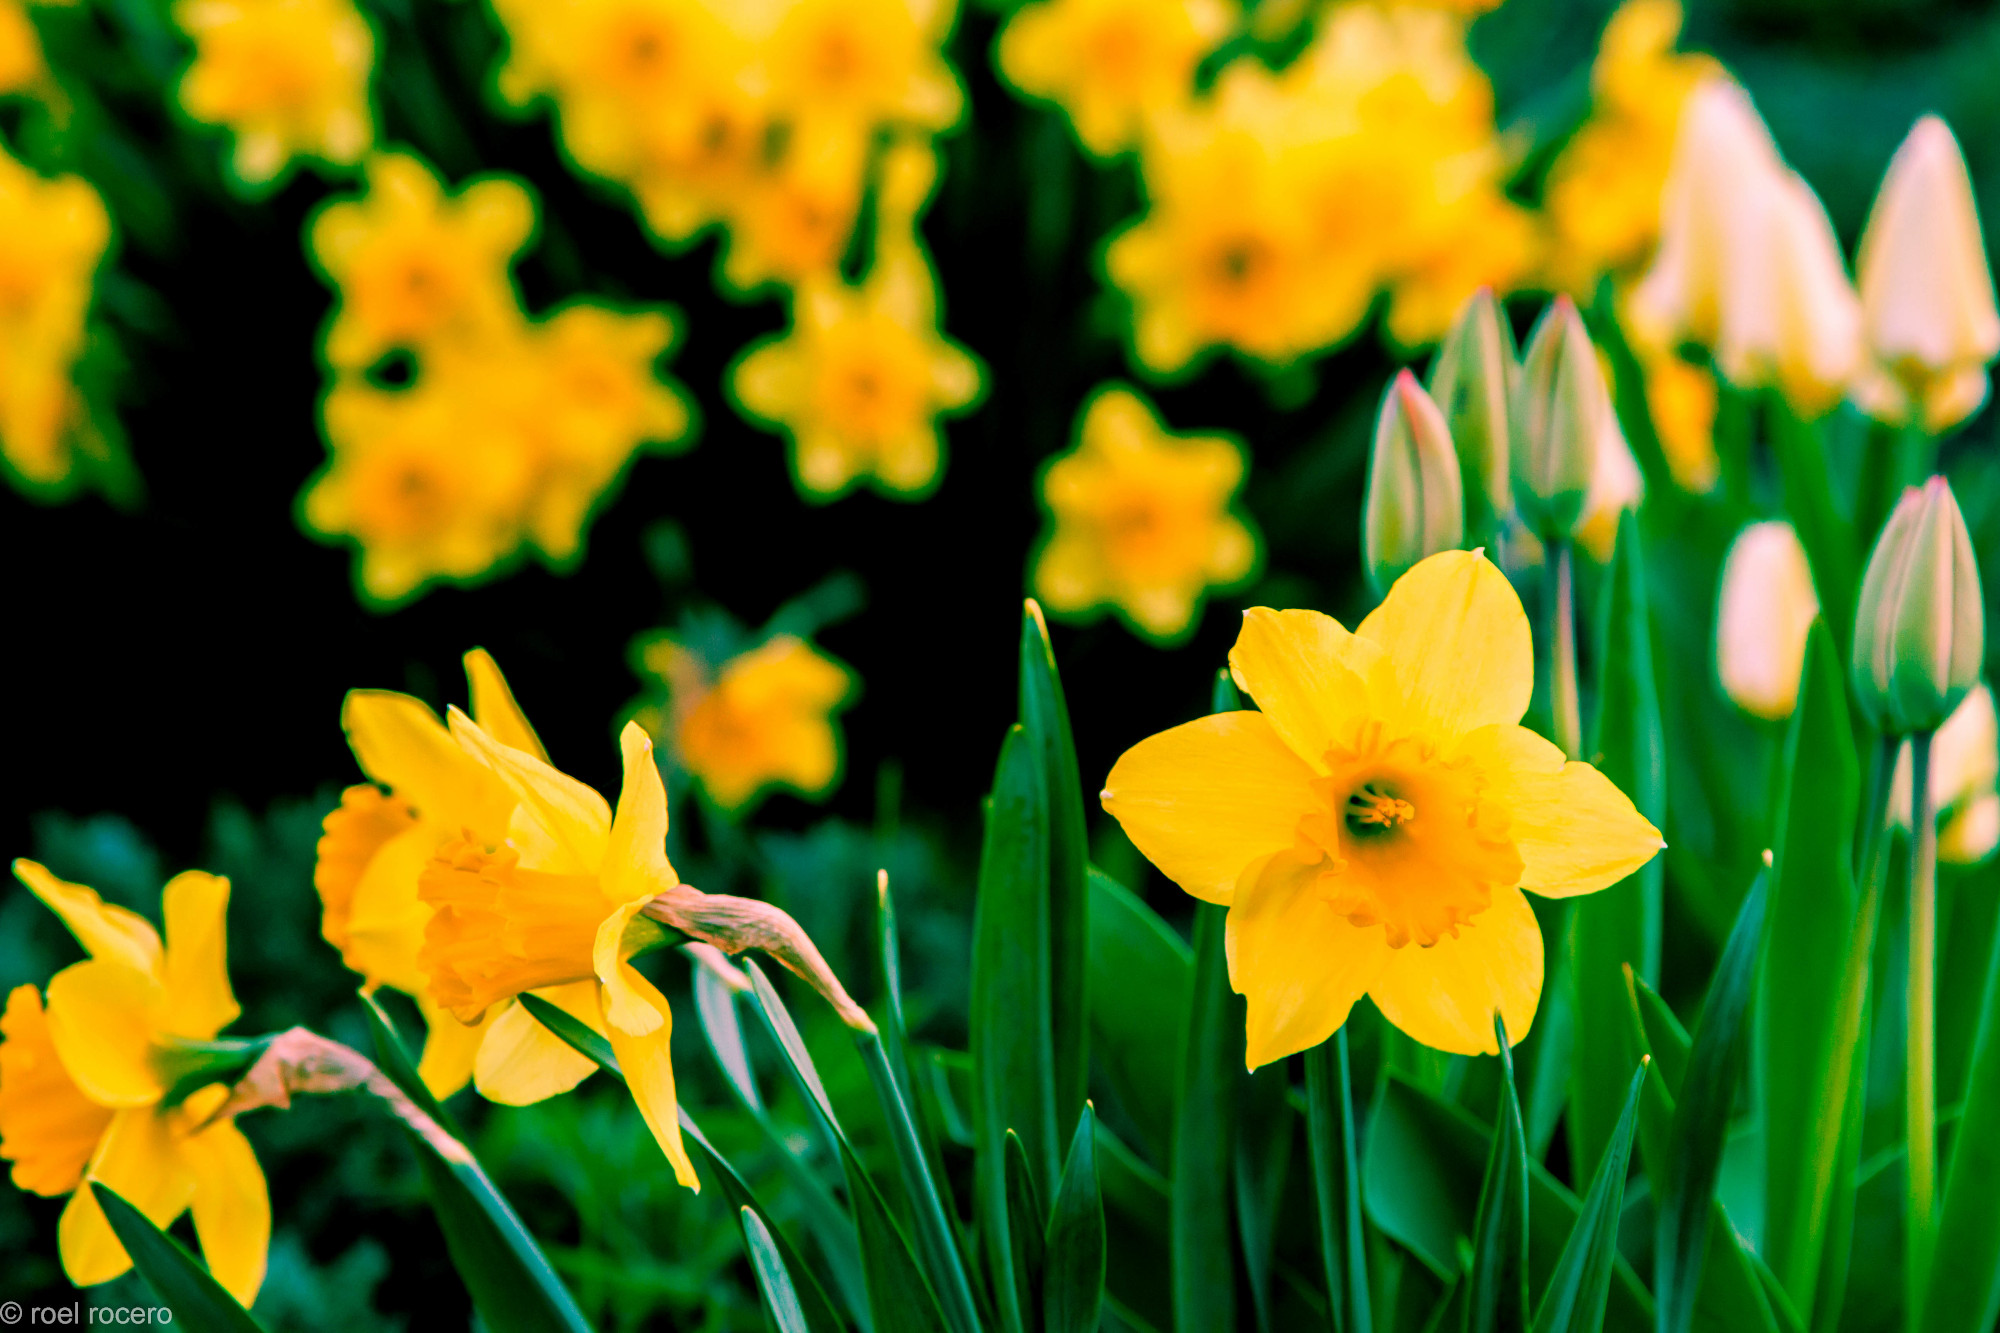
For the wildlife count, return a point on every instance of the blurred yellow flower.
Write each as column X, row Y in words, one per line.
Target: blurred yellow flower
column 374, row 849
column 413, row 266
column 861, row 379
column 1681, row 398
column 53, row 235
column 22, row 69
column 863, row 62
column 85, row 1084
column 561, row 902
column 1112, row 65
column 1964, row 781
column 1372, row 828
column 791, row 222
column 1766, row 610
column 1140, row 519
column 289, row 78
column 764, row 718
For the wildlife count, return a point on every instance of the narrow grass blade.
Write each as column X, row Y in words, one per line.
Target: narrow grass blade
column 1336, row 1171
column 1574, row 1299
column 782, row 1311
column 180, row 1281
column 1497, row 1299
column 1204, row 1277
column 1073, row 1273
column 1027, row 1228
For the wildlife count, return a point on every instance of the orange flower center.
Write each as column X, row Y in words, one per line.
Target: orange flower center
column 499, row 930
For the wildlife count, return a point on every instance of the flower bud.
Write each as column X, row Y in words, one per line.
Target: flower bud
column 1472, row 382
column 1926, row 290
column 1559, row 411
column 1920, row 628
column 1767, row 608
column 1416, row 504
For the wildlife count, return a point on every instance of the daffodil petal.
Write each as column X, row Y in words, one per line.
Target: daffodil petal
column 386, row 917
column 1445, row 995
column 102, row 1017
column 400, row 743
column 141, row 1162
column 1576, row 832
column 1308, row 675
column 111, row 933
column 635, row 861
column 1204, row 800
column 1459, row 639
column 232, row 1208
column 450, row 1047
column 200, row 1003
column 646, row 1060
column 1299, row 964
column 576, row 817
column 625, row 1006
column 493, row 706
column 521, row 1062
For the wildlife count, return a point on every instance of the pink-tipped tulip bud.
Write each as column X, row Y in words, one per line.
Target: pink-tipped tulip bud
column 1559, row 411
column 1416, row 502
column 1920, row 628
column 1472, row 381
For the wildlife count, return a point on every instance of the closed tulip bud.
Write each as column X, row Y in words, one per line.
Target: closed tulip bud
column 1920, row 628
column 1559, row 411
column 1926, row 290
column 1416, row 502
column 1472, row 382
column 1767, row 608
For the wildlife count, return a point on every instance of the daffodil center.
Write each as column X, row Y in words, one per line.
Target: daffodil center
column 1372, row 812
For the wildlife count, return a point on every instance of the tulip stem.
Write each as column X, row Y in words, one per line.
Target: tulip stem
column 1566, row 712
column 1921, row 1048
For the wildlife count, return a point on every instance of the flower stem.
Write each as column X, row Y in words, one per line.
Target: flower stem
column 1921, row 1047
column 1566, row 712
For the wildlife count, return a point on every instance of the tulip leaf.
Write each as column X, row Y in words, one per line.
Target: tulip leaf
column 1140, row 974
column 1337, row 1184
column 1045, row 719
column 1964, row 1289
column 1574, row 1300
column 1073, row 1273
column 781, row 1302
column 1701, row 1119
column 1027, row 1227
column 1204, row 1275
column 1804, row 1060
column 805, row 1288
column 183, row 1285
column 1620, row 925
column 1011, row 1055
column 1497, row 1299
column 511, row 1281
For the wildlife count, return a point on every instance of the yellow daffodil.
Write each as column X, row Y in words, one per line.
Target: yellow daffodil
column 860, row 380
column 790, row 223
column 414, row 266
column 288, row 77
column 1926, row 290
column 559, row 902
column 85, row 1084
column 1140, row 519
column 1681, row 398
column 374, row 850
column 1112, row 65
column 764, row 717
column 1767, row 608
column 22, row 69
column 864, row 62
column 1372, row 829
column 53, row 235
column 1964, row 781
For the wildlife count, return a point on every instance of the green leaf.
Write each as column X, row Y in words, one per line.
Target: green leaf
column 1141, row 972
column 1011, row 1055
column 510, row 1279
column 1621, row 925
column 1204, row 1278
column 1138, row 1207
column 1262, row 1160
column 715, row 1005
column 781, row 1303
column 1073, row 1279
column 1027, row 1228
column 197, row 1300
column 1574, row 1299
column 1497, row 1300
column 1810, row 503
column 1805, row 1060
column 1045, row 719
column 1224, row 698
column 1701, row 1119
column 1670, row 1044
column 1964, row 1291
column 1337, row 1184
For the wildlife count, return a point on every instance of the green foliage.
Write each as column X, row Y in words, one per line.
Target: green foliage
column 180, row 1281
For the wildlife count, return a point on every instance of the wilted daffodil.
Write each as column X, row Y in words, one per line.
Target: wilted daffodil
column 1965, row 772
column 1372, row 828
column 860, row 380
column 557, row 903
column 1112, row 65
column 1140, row 519
column 288, row 77
column 1765, row 612
column 1926, row 290
column 88, row 1085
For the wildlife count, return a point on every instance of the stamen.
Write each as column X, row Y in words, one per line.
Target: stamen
column 1371, row 809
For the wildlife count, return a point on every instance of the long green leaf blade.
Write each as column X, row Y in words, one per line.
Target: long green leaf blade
column 1045, row 716
column 1575, row 1298
column 1027, row 1229
column 1336, row 1170
column 1140, row 970
column 176, row 1277
column 1497, row 1299
column 1073, row 1278
column 1964, row 1292
column 1204, row 1279
column 781, row 1301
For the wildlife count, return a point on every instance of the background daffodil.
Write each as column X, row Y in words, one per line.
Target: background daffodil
column 1372, row 829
